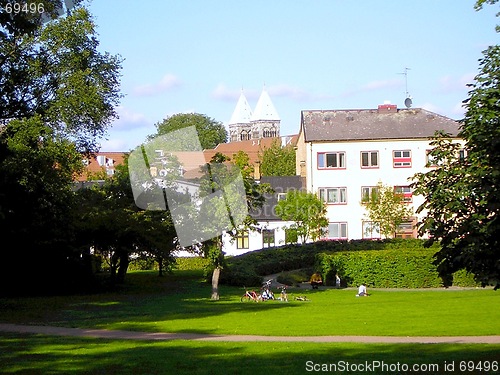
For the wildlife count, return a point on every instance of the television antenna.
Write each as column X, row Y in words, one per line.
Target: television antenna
column 408, row 101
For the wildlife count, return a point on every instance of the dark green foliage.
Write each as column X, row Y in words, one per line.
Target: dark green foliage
column 210, row 131
column 396, row 268
column 295, row 277
column 462, row 194
column 265, row 262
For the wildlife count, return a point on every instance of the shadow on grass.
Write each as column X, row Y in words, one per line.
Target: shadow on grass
column 38, row 354
column 144, row 301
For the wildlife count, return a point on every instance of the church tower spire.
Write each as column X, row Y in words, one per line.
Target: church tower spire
column 264, row 122
column 240, row 123
column 265, row 119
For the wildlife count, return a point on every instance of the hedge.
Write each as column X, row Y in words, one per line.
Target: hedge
column 394, row 268
column 249, row 268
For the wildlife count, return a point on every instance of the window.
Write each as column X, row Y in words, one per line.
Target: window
column 405, row 230
column 405, row 192
column 368, row 192
column 242, row 239
column 462, row 154
column 337, row 195
column 267, row 237
column 281, row 196
column 401, row 159
column 334, row 160
column 245, row 135
column 369, row 159
column 430, row 160
column 371, row 230
column 337, row 231
column 267, row 133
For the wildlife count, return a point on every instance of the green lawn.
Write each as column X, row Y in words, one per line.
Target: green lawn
column 180, row 303
column 28, row 354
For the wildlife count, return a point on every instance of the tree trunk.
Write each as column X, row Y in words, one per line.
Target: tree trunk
column 215, row 284
column 160, row 266
column 123, row 266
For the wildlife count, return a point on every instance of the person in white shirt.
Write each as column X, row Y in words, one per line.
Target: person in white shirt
column 362, row 292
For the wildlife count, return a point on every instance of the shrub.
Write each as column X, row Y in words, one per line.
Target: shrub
column 384, row 269
column 190, row 263
column 295, row 277
column 257, row 264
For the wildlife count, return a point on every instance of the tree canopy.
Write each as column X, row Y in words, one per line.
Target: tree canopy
column 57, row 99
column 210, row 131
column 386, row 209
column 277, row 160
column 307, row 212
column 462, row 194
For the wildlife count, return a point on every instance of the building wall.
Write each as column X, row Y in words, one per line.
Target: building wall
column 353, row 177
column 255, row 239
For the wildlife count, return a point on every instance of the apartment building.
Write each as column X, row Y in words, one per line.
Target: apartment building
column 344, row 154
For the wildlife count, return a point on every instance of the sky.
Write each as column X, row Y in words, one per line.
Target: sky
column 197, row 56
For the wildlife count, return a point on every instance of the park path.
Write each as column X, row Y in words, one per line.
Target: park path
column 133, row 335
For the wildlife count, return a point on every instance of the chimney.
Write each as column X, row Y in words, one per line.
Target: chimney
column 256, row 170
column 387, row 107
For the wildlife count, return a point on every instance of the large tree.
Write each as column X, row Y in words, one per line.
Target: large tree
column 57, row 99
column 108, row 220
column 277, row 160
column 462, row 194
column 210, row 131
column 220, row 174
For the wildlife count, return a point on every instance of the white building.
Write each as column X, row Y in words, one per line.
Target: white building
column 273, row 231
column 343, row 154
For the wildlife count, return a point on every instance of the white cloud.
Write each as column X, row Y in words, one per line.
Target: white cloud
column 115, row 145
column 288, row 91
column 167, row 83
column 128, row 119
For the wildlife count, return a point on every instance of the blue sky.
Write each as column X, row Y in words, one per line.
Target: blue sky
column 197, row 55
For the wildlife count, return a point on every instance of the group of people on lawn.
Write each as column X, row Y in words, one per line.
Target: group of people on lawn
column 316, row 281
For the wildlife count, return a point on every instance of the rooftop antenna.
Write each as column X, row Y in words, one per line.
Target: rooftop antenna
column 408, row 101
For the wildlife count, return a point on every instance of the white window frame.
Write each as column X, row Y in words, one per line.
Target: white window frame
column 370, row 230
column 341, row 229
column 333, row 195
column 370, row 192
column 370, row 163
column 339, row 160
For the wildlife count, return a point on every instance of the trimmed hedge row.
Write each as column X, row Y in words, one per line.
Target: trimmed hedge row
column 191, row 263
column 248, row 269
column 394, row 268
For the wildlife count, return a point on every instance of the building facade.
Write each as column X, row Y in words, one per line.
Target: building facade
column 344, row 154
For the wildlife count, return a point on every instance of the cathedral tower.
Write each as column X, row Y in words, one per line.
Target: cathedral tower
column 264, row 122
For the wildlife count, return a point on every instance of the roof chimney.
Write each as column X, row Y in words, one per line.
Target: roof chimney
column 387, row 107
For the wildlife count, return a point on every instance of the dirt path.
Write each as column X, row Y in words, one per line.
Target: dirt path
column 132, row 335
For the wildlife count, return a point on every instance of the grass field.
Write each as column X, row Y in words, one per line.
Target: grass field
column 180, row 303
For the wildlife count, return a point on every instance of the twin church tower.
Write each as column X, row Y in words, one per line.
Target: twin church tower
column 263, row 122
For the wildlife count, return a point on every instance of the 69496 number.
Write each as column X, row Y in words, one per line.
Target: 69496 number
column 16, row 8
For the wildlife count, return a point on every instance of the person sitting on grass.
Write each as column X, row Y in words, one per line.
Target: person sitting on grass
column 362, row 292
column 316, row 280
